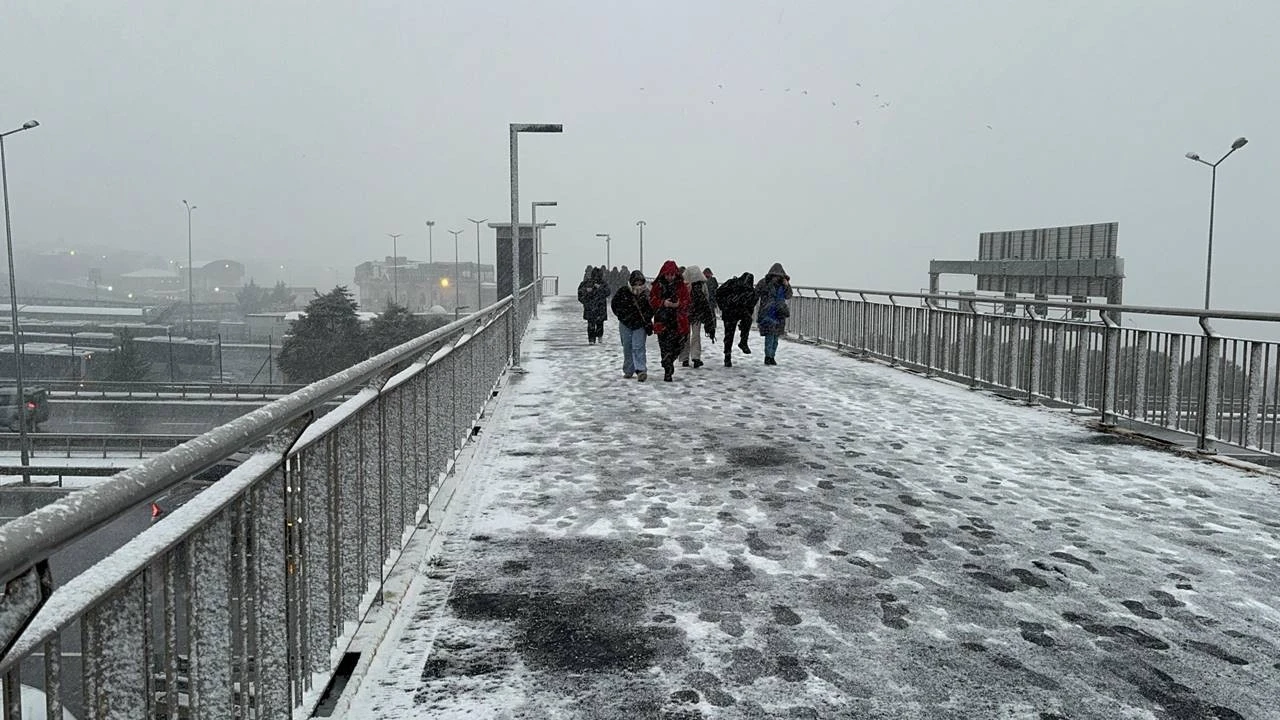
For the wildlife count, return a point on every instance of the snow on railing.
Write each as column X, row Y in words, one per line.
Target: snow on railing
column 240, row 602
column 1154, row 379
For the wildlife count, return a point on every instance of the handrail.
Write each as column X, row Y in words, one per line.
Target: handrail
column 1066, row 305
column 37, row 535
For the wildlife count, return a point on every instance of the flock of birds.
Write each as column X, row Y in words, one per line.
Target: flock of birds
column 878, row 102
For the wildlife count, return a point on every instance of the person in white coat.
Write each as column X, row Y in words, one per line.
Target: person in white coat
column 701, row 317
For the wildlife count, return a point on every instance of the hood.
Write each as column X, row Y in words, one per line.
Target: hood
column 693, row 274
column 597, row 275
column 747, row 279
column 634, row 276
column 670, row 268
column 776, row 269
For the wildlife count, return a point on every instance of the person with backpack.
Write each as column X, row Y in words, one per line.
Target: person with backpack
column 635, row 324
column 593, row 293
column 737, row 301
column 712, row 286
column 773, row 291
column 670, row 299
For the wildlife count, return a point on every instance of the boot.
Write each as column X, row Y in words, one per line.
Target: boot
column 770, row 361
column 684, row 363
column 697, row 364
column 642, row 376
column 728, row 361
column 666, row 376
column 744, row 348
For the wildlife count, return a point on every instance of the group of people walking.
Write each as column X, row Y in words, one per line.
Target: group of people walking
column 679, row 306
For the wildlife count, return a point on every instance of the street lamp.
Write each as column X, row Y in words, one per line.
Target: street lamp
column 513, row 132
column 191, row 294
column 640, row 224
column 395, row 266
column 13, row 307
column 431, row 241
column 457, row 277
column 1213, row 191
column 479, row 277
column 537, row 246
column 608, row 262
column 1208, row 276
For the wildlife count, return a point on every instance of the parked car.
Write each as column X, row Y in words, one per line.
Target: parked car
column 37, row 399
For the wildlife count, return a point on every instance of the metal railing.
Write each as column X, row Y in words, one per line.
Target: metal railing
column 68, row 445
column 102, row 389
column 1153, row 377
column 240, row 602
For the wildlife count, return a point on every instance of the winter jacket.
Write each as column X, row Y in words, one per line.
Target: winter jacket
column 594, row 296
column 632, row 310
column 713, row 286
column 668, row 319
column 737, row 297
column 700, row 304
column 773, row 295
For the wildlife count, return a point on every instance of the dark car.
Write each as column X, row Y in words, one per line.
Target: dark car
column 37, row 400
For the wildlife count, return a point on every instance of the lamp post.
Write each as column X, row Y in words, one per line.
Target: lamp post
column 537, row 245
column 191, row 295
column 1213, row 191
column 608, row 262
column 431, row 241
column 457, row 277
column 513, row 132
column 23, row 450
column 640, row 224
column 395, row 266
column 479, row 277
column 1208, row 277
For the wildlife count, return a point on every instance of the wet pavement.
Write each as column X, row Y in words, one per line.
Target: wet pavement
column 828, row 538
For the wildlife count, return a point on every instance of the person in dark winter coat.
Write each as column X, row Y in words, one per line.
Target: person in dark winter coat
column 737, row 301
column 593, row 293
column 635, row 323
column 712, row 286
column 773, row 291
column 700, row 316
column 670, row 299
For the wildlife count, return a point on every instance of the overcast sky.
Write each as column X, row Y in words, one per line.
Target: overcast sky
column 306, row 131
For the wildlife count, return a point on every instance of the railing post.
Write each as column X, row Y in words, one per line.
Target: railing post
column 1142, row 353
column 1035, row 326
column 1083, row 346
column 1210, row 348
column 1059, row 360
column 975, row 321
column 1253, row 399
column 1110, row 362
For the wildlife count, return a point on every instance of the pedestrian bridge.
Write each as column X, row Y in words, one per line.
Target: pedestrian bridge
column 831, row 537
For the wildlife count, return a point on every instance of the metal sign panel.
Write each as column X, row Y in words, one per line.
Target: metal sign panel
column 1069, row 242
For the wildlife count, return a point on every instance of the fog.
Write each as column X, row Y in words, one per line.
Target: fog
column 853, row 142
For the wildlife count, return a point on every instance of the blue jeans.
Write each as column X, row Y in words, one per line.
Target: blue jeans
column 770, row 345
column 633, row 350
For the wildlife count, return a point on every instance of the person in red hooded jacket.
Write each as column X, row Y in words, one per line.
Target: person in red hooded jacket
column 670, row 298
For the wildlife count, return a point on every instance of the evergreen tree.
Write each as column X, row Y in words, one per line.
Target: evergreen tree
column 126, row 363
column 252, row 298
column 395, row 326
column 280, row 297
column 325, row 340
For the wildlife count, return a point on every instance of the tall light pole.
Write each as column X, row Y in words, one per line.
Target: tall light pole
column 431, row 242
column 191, row 285
column 640, row 224
column 513, row 132
column 537, row 246
column 1213, row 191
column 608, row 260
column 479, row 277
column 457, row 277
column 1208, row 277
column 395, row 267
column 13, row 308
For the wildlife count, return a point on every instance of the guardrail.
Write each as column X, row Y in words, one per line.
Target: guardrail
column 239, row 603
column 67, row 445
column 1207, row 385
column 117, row 390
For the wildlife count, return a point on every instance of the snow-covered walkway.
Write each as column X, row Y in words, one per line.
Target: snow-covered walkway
column 828, row 538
